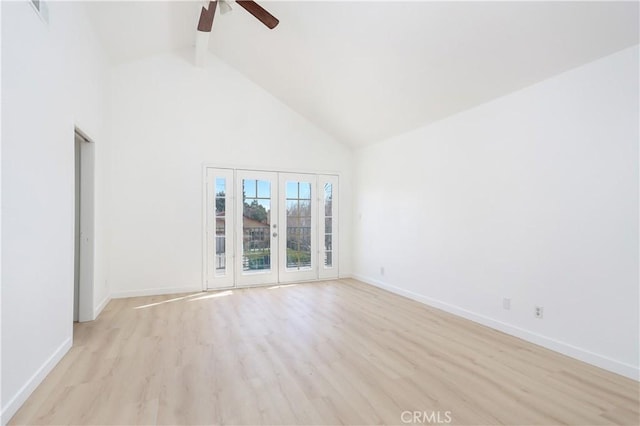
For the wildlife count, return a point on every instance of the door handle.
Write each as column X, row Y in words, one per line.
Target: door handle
column 275, row 234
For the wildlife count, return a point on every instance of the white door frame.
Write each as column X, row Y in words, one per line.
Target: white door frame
column 216, row 278
column 87, row 234
column 330, row 271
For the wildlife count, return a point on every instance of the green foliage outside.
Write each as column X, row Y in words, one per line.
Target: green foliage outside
column 298, row 257
column 220, row 205
column 256, row 212
column 258, row 259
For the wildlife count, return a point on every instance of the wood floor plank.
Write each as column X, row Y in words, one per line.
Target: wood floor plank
column 335, row 352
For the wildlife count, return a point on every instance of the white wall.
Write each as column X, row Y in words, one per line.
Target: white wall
column 533, row 197
column 168, row 118
column 1, row 222
column 53, row 78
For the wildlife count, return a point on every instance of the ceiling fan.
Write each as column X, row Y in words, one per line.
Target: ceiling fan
column 205, row 23
column 207, row 13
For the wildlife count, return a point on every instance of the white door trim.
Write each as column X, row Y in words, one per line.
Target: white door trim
column 87, row 226
column 214, row 278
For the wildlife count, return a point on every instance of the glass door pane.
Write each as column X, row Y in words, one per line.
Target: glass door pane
column 221, row 220
column 328, row 224
column 257, row 234
column 298, row 217
column 298, row 231
column 256, row 225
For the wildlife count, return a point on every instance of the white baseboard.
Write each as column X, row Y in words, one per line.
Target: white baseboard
column 581, row 354
column 14, row 404
column 98, row 309
column 155, row 292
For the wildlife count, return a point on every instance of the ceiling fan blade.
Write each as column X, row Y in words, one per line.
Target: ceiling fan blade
column 259, row 12
column 206, row 17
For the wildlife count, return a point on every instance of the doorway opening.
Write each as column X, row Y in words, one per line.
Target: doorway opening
column 84, row 228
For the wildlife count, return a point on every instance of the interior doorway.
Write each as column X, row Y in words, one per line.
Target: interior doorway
column 84, row 228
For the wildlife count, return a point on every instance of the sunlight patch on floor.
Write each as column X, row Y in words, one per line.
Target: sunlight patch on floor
column 164, row 302
column 281, row 286
column 213, row 295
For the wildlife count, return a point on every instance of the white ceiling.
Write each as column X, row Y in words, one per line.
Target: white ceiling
column 365, row 71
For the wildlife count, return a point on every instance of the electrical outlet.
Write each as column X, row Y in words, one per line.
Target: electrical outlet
column 538, row 311
column 506, row 303
column 382, row 270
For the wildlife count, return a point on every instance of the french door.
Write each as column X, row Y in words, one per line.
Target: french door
column 269, row 227
column 256, row 227
column 299, row 218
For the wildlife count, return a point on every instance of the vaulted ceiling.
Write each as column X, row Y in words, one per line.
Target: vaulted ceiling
column 365, row 71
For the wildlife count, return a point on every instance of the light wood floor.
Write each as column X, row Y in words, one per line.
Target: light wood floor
column 336, row 352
